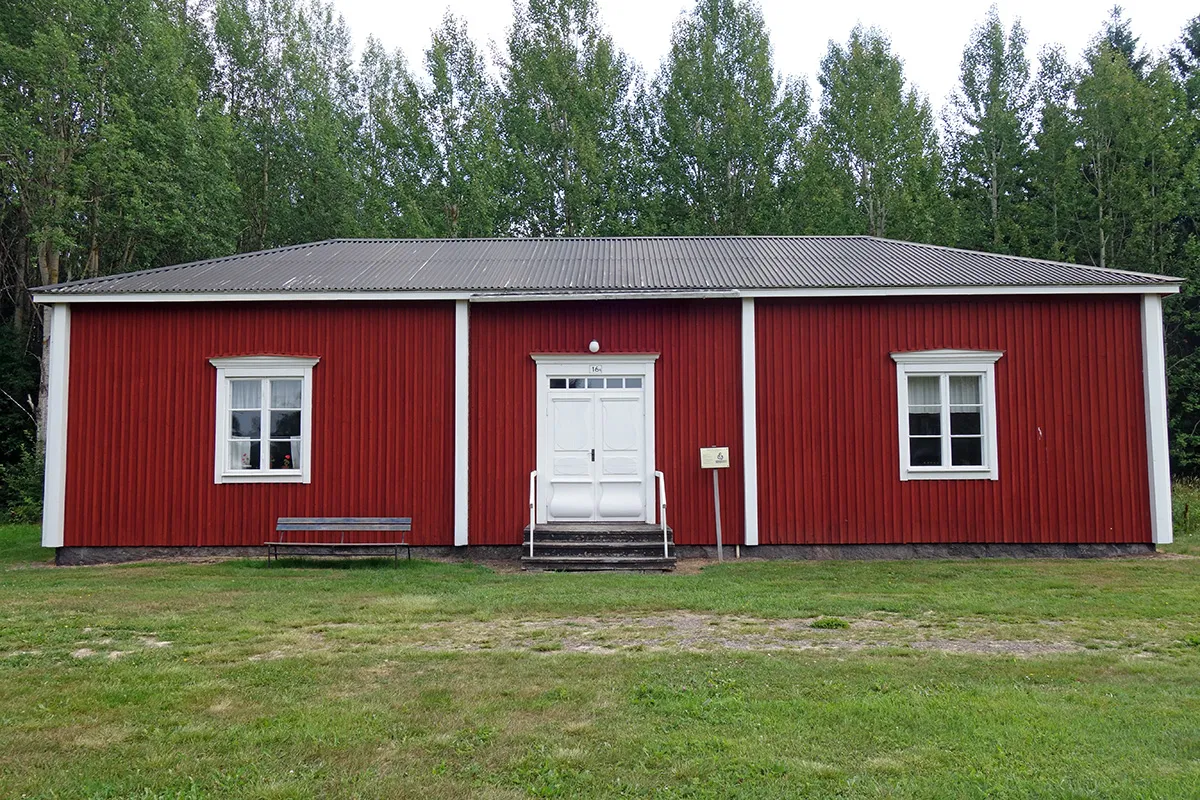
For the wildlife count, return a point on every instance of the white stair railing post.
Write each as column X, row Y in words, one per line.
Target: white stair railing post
column 662, row 509
column 532, row 506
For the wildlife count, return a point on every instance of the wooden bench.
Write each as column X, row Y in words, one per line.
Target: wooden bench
column 341, row 548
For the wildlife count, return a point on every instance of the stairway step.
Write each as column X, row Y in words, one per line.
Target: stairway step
column 597, row 563
column 606, row 545
column 540, row 536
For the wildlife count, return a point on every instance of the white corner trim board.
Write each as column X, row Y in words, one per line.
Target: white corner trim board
column 1154, row 385
column 54, row 505
column 462, row 427
column 263, row 368
column 750, row 421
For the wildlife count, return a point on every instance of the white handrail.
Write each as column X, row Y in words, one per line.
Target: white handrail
column 662, row 508
column 532, row 501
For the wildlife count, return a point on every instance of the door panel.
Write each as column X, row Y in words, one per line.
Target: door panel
column 620, row 481
column 594, row 467
column 572, row 429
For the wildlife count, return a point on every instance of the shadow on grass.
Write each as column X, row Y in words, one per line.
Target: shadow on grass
column 356, row 564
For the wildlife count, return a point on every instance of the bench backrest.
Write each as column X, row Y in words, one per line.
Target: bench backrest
column 344, row 524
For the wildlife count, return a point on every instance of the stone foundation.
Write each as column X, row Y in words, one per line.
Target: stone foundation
column 879, row 552
column 77, row 556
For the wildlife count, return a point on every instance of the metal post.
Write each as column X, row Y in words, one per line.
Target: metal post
column 717, row 506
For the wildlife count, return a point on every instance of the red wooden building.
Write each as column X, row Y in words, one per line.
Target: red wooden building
column 877, row 397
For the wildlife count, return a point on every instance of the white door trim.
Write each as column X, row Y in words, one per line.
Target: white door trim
column 559, row 364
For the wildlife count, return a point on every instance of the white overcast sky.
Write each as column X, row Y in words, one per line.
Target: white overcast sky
column 929, row 36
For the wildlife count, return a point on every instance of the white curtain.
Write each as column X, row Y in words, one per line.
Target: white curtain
column 924, row 390
column 239, row 453
column 285, row 394
column 246, row 394
column 964, row 390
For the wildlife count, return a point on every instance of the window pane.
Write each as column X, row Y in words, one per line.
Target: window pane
column 286, row 454
column 633, row 383
column 245, row 424
column 968, row 421
column 245, row 394
column 244, row 454
column 285, row 424
column 966, row 452
column 964, row 389
column 595, row 383
column 285, row 394
column 577, row 383
column 924, row 390
column 925, row 452
column 924, row 424
column 615, row 383
column 558, row 383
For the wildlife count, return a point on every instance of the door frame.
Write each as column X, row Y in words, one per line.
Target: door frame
column 574, row 365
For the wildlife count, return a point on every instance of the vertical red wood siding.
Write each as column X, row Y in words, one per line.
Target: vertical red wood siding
column 1069, row 405
column 141, row 420
column 697, row 403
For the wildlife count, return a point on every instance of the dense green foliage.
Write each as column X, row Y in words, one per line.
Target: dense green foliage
column 138, row 133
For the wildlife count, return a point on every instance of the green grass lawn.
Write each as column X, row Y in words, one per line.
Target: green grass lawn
column 949, row 679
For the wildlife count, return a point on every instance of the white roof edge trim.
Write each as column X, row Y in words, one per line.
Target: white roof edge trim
column 947, row 356
column 527, row 297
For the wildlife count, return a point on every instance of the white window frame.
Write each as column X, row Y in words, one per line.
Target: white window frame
column 263, row 368
column 944, row 364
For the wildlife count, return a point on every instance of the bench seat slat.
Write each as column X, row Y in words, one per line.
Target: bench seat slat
column 339, row 545
column 344, row 527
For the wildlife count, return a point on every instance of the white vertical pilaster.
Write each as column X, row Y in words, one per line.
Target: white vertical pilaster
column 54, row 501
column 462, row 428
column 1154, row 384
column 749, row 421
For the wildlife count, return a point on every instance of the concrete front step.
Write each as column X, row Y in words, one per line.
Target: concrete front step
column 598, row 563
column 597, row 532
column 632, row 544
column 599, row 546
column 601, row 549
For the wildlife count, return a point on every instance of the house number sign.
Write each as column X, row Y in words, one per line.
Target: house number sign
column 597, row 369
column 714, row 457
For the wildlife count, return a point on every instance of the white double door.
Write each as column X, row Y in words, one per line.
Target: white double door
column 592, row 449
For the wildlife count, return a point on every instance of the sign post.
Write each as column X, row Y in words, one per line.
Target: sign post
column 716, row 459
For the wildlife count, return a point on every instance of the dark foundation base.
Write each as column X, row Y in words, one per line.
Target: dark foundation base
column 81, row 556
column 883, row 552
column 78, row 556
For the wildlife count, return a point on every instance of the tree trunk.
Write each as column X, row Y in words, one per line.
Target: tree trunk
column 43, row 382
column 994, row 198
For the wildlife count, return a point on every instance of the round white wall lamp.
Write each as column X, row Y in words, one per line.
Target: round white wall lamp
column 594, row 346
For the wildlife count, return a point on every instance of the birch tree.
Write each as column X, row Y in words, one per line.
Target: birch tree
column 568, row 124
column 878, row 133
column 726, row 129
column 989, row 131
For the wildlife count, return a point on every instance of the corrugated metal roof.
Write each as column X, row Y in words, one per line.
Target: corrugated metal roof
column 602, row 265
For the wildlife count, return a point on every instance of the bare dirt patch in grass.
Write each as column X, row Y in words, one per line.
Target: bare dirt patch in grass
column 692, row 632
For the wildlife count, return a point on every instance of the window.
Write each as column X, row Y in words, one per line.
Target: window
column 264, row 419
column 947, row 409
column 595, row 383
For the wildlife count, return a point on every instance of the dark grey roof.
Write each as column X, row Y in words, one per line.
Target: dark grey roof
column 578, row 266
